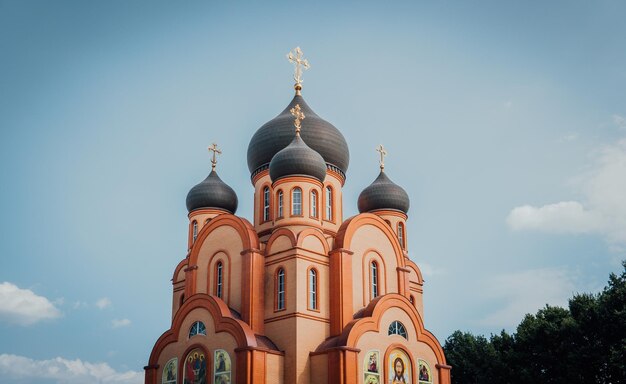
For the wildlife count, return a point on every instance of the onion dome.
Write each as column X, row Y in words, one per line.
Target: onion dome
column 319, row 135
column 297, row 159
column 383, row 193
column 212, row 192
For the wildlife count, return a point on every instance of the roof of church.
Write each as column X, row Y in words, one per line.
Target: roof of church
column 297, row 159
column 383, row 194
column 319, row 134
column 212, row 192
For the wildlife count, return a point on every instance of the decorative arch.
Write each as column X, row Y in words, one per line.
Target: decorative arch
column 278, row 233
column 403, row 348
column 246, row 232
column 411, row 265
column 370, row 320
column 349, row 227
column 177, row 271
column 313, row 232
column 222, row 317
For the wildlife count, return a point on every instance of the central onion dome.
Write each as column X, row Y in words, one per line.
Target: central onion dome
column 212, row 192
column 319, row 135
column 297, row 159
column 383, row 194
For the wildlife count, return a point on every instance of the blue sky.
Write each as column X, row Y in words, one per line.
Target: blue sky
column 505, row 123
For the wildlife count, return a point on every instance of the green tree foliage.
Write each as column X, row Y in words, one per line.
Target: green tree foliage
column 585, row 343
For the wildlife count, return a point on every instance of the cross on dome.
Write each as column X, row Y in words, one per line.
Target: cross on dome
column 213, row 148
column 383, row 153
column 300, row 63
column 299, row 115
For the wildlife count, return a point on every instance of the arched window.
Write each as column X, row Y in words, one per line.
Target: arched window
column 219, row 279
column 314, row 204
column 280, row 203
column 195, row 230
column 170, row 372
column 197, row 328
column 280, row 289
column 296, row 202
column 401, row 234
column 266, row 204
column 374, row 279
column 397, row 328
column 312, row 289
column 329, row 203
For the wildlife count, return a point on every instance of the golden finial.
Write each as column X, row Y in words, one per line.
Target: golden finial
column 299, row 115
column 383, row 153
column 296, row 58
column 213, row 148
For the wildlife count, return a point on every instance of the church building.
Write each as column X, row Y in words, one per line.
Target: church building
column 298, row 294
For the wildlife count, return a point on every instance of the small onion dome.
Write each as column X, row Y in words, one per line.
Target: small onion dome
column 318, row 133
column 212, row 192
column 383, row 194
column 297, row 159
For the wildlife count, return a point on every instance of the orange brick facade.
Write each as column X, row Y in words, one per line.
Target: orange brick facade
column 298, row 296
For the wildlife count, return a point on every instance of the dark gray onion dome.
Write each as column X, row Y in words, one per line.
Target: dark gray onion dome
column 297, row 159
column 277, row 133
column 383, row 194
column 212, row 192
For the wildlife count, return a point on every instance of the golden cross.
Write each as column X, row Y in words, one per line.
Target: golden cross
column 383, row 153
column 213, row 148
column 296, row 58
column 299, row 115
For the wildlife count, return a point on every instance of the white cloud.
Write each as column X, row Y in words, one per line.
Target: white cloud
column 562, row 217
column 526, row 292
column 602, row 211
column 430, row 270
column 620, row 121
column 23, row 306
column 79, row 304
column 119, row 323
column 64, row 371
column 103, row 303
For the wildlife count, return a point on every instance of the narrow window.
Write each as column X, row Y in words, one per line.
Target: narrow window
column 314, row 204
column 312, row 289
column 195, row 230
column 329, row 203
column 280, row 203
column 296, row 202
column 280, row 289
column 412, row 299
column 374, row 279
column 266, row 204
column 401, row 234
column 219, row 279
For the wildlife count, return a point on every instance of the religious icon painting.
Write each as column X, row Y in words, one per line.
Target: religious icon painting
column 195, row 367
column 169, row 372
column 371, row 367
column 423, row 373
column 399, row 367
column 222, row 367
